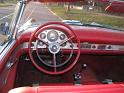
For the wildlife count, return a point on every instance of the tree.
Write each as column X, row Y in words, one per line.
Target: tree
column 68, row 7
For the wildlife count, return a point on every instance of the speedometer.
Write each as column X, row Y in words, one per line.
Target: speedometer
column 52, row 36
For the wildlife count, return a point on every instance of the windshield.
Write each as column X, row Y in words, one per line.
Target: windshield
column 95, row 13
column 37, row 13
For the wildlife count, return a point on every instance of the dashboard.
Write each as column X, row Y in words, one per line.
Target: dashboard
column 92, row 39
column 52, row 35
column 57, row 36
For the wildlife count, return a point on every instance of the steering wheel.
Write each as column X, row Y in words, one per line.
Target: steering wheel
column 52, row 48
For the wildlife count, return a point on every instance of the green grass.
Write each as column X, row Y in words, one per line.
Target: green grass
column 85, row 16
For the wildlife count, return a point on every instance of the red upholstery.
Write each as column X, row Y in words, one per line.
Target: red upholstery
column 113, row 88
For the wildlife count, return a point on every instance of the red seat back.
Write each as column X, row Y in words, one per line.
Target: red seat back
column 111, row 88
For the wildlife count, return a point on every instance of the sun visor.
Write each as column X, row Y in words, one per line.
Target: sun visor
column 55, row 0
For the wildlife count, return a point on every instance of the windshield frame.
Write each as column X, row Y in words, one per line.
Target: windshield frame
column 17, row 17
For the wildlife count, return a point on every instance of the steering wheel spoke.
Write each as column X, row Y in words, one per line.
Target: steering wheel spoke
column 70, row 38
column 54, row 62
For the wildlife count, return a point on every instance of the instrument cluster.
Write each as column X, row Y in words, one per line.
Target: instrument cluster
column 52, row 36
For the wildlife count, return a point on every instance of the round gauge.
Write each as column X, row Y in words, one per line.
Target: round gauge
column 62, row 36
column 52, row 36
column 42, row 35
column 40, row 43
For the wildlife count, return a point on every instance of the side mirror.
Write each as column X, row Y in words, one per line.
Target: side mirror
column 4, row 28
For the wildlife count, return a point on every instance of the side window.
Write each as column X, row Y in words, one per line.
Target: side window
column 6, row 15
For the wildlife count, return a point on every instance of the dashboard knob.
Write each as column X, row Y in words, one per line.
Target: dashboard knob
column 62, row 36
column 42, row 35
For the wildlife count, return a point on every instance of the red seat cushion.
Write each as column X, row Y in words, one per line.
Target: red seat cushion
column 112, row 88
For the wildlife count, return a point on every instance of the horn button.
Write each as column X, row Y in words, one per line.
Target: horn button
column 54, row 48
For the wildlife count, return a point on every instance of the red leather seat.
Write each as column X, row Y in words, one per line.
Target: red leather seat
column 111, row 88
column 24, row 90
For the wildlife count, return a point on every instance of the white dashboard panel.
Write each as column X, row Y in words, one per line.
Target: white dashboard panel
column 84, row 46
